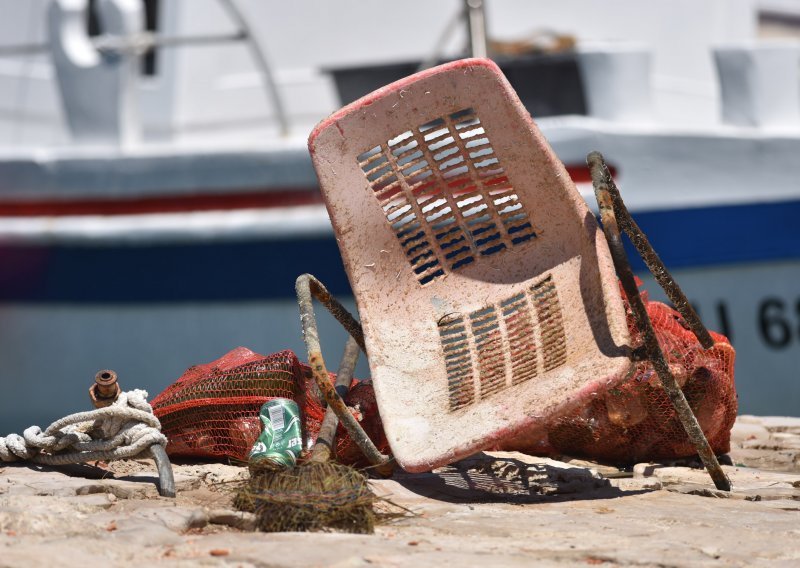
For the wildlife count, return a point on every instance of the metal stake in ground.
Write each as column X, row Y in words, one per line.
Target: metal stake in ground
column 608, row 205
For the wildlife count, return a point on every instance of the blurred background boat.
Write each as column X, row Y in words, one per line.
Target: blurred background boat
column 157, row 200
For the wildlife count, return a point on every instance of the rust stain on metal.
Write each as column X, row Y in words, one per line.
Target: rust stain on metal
column 105, row 389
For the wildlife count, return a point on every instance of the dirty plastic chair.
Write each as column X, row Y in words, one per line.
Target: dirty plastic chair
column 487, row 294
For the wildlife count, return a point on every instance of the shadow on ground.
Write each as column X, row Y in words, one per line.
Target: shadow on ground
column 487, row 479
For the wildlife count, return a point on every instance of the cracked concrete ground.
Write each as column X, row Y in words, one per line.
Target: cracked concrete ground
column 494, row 509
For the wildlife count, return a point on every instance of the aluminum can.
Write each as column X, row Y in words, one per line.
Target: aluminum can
column 281, row 438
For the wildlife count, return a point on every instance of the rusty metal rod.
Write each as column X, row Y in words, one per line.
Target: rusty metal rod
column 654, row 353
column 323, row 448
column 645, row 249
column 307, row 286
column 310, row 286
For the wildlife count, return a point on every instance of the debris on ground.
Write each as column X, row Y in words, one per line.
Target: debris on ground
column 475, row 512
column 311, row 497
column 212, row 410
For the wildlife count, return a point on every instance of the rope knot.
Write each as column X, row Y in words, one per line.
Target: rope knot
column 125, row 429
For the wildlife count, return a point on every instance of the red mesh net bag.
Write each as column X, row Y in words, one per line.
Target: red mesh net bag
column 635, row 421
column 212, row 410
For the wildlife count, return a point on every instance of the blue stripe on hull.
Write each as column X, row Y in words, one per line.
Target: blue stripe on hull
column 267, row 269
column 722, row 235
column 248, row 270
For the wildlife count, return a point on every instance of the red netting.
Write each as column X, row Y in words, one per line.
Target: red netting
column 635, row 421
column 212, row 409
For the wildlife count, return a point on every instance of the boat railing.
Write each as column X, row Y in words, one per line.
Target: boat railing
column 124, row 43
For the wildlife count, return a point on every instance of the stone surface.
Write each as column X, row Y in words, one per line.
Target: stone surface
column 232, row 518
column 493, row 509
column 767, row 442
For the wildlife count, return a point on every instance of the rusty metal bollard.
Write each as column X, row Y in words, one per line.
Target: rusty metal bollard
column 105, row 390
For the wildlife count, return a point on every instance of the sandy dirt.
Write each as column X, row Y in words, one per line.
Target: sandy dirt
column 494, row 509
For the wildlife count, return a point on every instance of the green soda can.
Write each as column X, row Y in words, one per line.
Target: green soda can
column 281, row 440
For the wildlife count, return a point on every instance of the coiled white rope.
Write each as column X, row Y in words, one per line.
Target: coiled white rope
column 125, row 429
